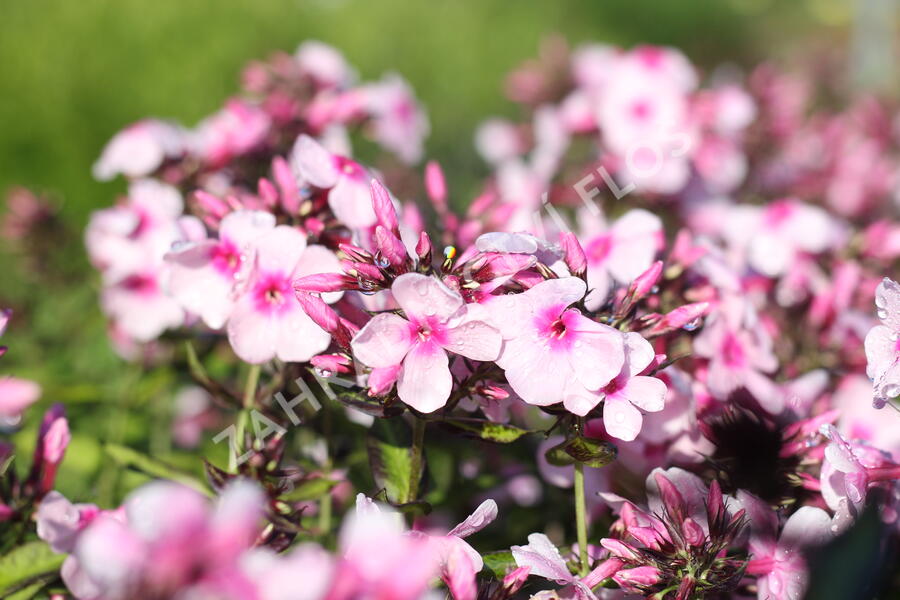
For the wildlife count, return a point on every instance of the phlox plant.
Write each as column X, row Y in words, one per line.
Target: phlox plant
column 657, row 356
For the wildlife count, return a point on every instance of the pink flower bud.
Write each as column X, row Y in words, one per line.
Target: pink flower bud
column 53, row 438
column 324, row 282
column 333, row 363
column 639, row 576
column 384, row 207
column 604, row 570
column 693, row 533
column 423, row 248
column 325, row 317
column 619, row 548
column 436, row 186
column 574, row 254
column 290, row 195
column 514, row 580
column 390, row 246
column 381, row 380
column 641, row 286
column 681, row 316
column 671, row 497
column 267, row 192
column 213, row 205
column 355, row 252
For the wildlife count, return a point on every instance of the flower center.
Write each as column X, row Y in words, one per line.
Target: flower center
column 558, row 329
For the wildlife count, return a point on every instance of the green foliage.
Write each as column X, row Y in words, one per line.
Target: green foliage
column 20, row 567
column 390, row 458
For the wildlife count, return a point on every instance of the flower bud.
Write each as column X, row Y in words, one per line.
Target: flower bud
column 384, row 207
column 574, row 254
column 382, row 379
column 436, row 186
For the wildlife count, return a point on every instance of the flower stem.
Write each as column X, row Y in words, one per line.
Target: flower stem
column 247, row 405
column 580, row 518
column 416, row 461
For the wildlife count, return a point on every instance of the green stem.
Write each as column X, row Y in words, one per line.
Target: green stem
column 418, row 446
column 580, row 518
column 248, row 404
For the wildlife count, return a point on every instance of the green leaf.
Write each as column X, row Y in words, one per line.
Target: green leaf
column 489, row 431
column 558, row 457
column 128, row 457
column 27, row 562
column 499, row 563
column 591, row 452
column 390, row 459
column 311, row 489
column 441, row 470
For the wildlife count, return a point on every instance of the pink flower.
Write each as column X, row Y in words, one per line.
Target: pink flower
column 398, row 122
column 347, row 181
column 203, row 273
column 59, row 521
column 551, row 351
column 883, row 343
column 324, row 64
column 267, row 320
column 233, row 131
column 140, row 305
column 618, row 253
column 460, row 562
column 135, row 234
column 777, row 560
column 139, row 149
column 775, row 235
column 627, row 392
column 436, row 320
column 16, row 395
column 739, row 352
column 542, row 558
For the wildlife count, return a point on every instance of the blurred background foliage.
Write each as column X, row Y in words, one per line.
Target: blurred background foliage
column 73, row 73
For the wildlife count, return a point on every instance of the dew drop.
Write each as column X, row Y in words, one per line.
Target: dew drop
column 382, row 262
column 692, row 325
column 324, row 373
column 882, row 313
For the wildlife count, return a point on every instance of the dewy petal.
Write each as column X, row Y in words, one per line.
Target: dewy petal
column 597, row 354
column 881, row 350
column 887, row 301
column 473, row 337
column 556, row 292
column 578, row 400
column 280, row 249
column 621, row 419
column 809, row 526
column 421, row 296
column 543, row 558
column 299, row 338
column 647, row 393
column 384, row 341
column 425, row 381
column 313, row 163
column 536, row 372
column 483, row 516
column 638, row 353
column 763, row 524
column 636, row 236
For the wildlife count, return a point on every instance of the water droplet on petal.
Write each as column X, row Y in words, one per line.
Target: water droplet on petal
column 882, row 313
column 692, row 325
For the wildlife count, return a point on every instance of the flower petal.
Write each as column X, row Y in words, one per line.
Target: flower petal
column 421, row 296
column 621, row 419
column 647, row 393
column 425, row 381
column 384, row 341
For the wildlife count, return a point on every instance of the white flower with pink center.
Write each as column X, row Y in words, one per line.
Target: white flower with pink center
column 625, row 394
column 437, row 320
column 883, row 343
column 775, row 236
column 739, row 352
column 267, row 320
column 618, row 252
column 551, row 349
column 204, row 273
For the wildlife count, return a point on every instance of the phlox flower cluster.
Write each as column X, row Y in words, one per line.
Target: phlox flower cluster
column 674, row 295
